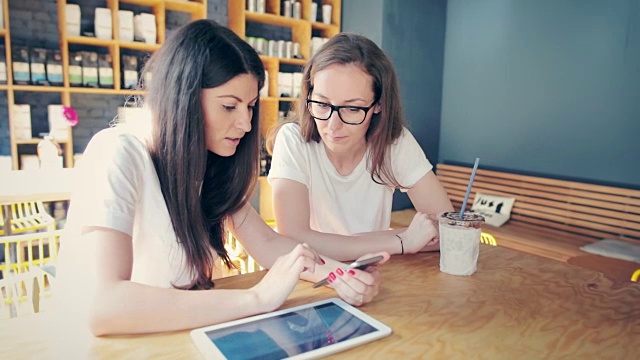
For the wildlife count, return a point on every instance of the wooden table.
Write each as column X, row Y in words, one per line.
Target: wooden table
column 34, row 185
column 515, row 306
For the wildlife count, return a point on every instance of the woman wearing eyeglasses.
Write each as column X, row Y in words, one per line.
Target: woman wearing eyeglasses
column 335, row 168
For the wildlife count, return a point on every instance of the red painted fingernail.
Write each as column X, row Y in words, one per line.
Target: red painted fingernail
column 329, row 279
column 340, row 272
column 332, row 276
column 352, row 272
column 322, row 262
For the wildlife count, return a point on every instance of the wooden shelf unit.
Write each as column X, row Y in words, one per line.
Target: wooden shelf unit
column 197, row 9
column 301, row 32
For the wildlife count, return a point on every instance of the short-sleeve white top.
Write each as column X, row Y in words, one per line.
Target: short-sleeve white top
column 347, row 204
column 118, row 188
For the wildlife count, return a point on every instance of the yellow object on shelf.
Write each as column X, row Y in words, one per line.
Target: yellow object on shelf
column 30, row 216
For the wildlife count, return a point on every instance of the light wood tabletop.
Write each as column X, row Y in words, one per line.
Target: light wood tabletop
column 515, row 306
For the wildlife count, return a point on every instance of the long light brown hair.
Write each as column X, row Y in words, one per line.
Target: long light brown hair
column 201, row 189
column 385, row 127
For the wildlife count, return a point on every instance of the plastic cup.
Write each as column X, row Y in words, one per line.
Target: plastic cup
column 459, row 242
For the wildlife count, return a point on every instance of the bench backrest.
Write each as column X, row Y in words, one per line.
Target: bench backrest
column 591, row 210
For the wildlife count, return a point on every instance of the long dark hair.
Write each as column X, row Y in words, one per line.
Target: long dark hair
column 385, row 127
column 200, row 188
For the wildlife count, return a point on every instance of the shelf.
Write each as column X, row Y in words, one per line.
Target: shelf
column 38, row 88
column 86, row 90
column 276, row 20
column 149, row 3
column 288, row 99
column 190, row 7
column 35, row 141
column 87, row 40
column 135, row 45
column 4, row 87
column 301, row 62
column 323, row 26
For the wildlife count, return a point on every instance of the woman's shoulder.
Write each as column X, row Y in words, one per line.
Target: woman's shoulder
column 117, row 143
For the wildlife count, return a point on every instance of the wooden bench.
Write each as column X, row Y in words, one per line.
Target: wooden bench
column 552, row 218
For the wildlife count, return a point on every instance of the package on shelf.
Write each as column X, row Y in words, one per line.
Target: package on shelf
column 38, row 71
column 313, row 14
column 260, row 6
column 286, row 8
column 90, row 69
column 21, row 72
column 72, row 19
column 21, row 120
column 129, row 71
column 285, row 84
column 29, row 162
column 297, row 10
column 54, row 67
column 282, row 45
column 58, row 125
column 144, row 28
column 327, row 9
column 125, row 25
column 75, row 69
column 272, row 48
column 264, row 92
column 3, row 66
column 297, row 84
column 105, row 71
column 102, row 24
column 252, row 5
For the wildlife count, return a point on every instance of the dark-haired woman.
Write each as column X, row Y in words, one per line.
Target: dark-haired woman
column 157, row 196
column 334, row 169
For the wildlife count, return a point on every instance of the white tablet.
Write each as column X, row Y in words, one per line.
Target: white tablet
column 303, row 332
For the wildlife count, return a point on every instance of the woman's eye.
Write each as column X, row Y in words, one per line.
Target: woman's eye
column 353, row 110
column 228, row 107
column 324, row 106
column 252, row 107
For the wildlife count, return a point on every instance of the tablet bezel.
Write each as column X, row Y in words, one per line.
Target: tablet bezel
column 211, row 351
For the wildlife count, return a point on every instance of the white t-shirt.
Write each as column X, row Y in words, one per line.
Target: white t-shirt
column 345, row 204
column 118, row 188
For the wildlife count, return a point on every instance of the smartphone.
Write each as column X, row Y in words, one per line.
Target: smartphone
column 359, row 264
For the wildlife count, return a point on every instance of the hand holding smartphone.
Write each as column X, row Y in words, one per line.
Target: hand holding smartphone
column 358, row 264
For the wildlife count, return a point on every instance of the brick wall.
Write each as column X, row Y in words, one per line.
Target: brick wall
column 35, row 23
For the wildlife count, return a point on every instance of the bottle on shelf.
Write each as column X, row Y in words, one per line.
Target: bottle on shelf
column 54, row 68
column 21, row 72
column 38, row 70
column 75, row 69
column 105, row 71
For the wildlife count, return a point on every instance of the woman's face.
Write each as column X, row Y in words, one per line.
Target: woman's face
column 340, row 85
column 228, row 110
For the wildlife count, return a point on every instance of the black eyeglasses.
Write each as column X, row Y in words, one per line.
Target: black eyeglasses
column 349, row 114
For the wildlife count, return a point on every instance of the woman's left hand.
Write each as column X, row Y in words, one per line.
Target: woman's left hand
column 358, row 287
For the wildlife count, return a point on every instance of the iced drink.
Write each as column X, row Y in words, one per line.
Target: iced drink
column 459, row 242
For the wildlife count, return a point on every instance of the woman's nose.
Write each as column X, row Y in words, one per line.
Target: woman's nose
column 334, row 120
column 244, row 123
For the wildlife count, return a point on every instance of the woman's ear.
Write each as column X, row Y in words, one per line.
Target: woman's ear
column 377, row 108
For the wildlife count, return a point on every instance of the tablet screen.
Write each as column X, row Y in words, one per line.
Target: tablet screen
column 289, row 334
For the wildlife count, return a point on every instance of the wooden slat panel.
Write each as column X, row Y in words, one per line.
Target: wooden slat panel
column 516, row 193
column 534, row 179
column 539, row 190
column 572, row 225
column 622, row 216
column 537, row 223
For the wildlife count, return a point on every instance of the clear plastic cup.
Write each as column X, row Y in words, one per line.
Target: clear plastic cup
column 459, row 242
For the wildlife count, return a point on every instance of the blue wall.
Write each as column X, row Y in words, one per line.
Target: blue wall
column 363, row 17
column 548, row 87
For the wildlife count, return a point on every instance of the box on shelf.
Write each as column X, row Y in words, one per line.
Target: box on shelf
column 72, row 19
column 38, row 70
column 105, row 71
column 144, row 28
column 285, row 84
column 129, row 71
column 21, row 118
column 75, row 69
column 58, row 125
column 54, row 68
column 21, row 71
column 125, row 25
column 102, row 24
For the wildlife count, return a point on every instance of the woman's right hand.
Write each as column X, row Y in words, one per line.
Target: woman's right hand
column 283, row 276
column 422, row 231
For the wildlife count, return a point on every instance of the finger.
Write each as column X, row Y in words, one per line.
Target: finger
column 347, row 293
column 357, row 291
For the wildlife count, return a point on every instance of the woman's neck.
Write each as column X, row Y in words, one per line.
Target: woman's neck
column 346, row 162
